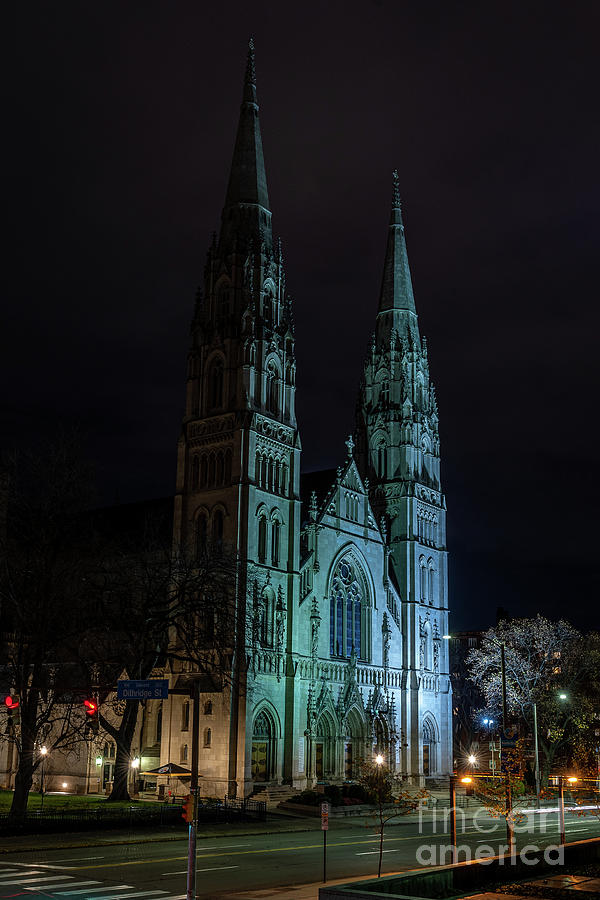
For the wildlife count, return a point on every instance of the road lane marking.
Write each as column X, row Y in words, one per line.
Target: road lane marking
column 215, row 868
column 105, row 887
column 142, row 862
column 226, row 847
column 369, row 852
column 185, row 871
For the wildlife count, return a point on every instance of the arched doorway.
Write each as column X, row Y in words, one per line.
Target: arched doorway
column 381, row 738
column 264, row 756
column 325, row 747
column 354, row 744
column 429, row 746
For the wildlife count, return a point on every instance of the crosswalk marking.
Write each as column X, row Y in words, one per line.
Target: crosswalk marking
column 43, row 878
column 136, row 894
column 71, row 884
column 105, row 887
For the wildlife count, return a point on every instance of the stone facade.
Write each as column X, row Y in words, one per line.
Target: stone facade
column 346, row 595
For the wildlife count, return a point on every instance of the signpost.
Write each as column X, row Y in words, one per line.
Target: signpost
column 146, row 689
column 324, row 828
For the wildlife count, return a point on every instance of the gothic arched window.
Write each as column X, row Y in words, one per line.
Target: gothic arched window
column 215, row 385
column 262, row 539
column 422, row 580
column 195, row 472
column 217, row 531
column 430, row 581
column 275, row 535
column 382, row 459
column 201, row 534
column 272, row 390
column 347, row 612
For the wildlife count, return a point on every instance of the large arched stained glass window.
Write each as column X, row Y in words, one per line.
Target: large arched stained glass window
column 347, row 612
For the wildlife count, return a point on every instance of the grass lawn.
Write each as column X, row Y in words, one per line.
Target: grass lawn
column 64, row 801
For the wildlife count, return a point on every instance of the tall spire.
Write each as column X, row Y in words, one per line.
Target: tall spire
column 246, row 211
column 396, row 287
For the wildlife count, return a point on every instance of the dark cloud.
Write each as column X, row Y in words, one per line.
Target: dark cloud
column 123, row 127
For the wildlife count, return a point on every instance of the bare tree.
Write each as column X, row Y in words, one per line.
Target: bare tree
column 157, row 605
column 385, row 791
column 44, row 580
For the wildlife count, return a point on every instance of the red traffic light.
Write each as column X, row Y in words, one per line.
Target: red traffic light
column 11, row 702
column 91, row 707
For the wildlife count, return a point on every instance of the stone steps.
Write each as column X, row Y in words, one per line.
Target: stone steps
column 274, row 794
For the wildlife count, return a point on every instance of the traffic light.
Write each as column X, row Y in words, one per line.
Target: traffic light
column 187, row 811
column 91, row 711
column 11, row 704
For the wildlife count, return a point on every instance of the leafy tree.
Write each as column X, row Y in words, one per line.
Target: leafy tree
column 544, row 660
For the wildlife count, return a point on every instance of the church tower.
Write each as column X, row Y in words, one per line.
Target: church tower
column 239, row 452
column 398, row 450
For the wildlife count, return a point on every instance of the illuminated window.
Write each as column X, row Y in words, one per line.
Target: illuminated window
column 347, row 612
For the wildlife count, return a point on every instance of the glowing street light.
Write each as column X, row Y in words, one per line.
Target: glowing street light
column 562, row 696
column 466, row 780
column 472, row 759
column 572, row 779
column 135, row 762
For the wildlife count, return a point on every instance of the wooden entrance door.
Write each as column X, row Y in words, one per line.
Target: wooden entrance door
column 426, row 759
column 348, row 760
column 260, row 767
column 319, row 761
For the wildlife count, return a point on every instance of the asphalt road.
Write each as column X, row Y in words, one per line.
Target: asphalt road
column 157, row 871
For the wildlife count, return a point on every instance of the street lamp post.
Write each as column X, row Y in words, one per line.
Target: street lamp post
column 43, row 752
column 537, row 755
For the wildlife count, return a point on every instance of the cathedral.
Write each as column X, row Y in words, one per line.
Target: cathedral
column 343, row 574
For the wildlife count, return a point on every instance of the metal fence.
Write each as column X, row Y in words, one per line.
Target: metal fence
column 151, row 815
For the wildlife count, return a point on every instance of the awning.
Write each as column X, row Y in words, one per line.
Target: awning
column 169, row 769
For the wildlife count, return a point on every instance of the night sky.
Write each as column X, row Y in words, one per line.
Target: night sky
column 123, row 122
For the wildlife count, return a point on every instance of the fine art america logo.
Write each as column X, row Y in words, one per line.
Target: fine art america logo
column 485, row 850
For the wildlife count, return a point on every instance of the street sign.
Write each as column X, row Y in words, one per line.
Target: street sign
column 324, row 816
column 148, row 689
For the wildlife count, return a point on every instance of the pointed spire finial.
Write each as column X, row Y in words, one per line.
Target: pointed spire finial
column 250, row 67
column 396, row 190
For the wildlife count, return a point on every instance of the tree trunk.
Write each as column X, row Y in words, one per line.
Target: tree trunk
column 124, row 737
column 23, row 782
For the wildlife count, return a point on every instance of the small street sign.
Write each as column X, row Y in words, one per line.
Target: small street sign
column 324, row 816
column 147, row 689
